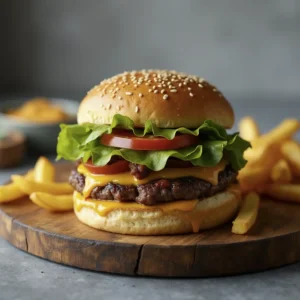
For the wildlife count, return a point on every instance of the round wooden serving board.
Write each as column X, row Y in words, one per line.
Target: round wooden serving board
column 60, row 237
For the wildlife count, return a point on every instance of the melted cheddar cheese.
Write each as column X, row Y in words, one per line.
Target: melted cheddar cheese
column 103, row 207
column 209, row 174
column 196, row 217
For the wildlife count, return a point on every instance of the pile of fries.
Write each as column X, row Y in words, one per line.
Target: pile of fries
column 273, row 168
column 41, row 188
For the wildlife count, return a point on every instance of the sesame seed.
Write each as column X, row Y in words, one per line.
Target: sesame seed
column 109, row 106
column 214, row 90
column 140, row 95
column 136, row 109
column 165, row 97
column 118, row 107
column 158, row 81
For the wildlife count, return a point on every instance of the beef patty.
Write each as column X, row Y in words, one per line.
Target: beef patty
column 157, row 191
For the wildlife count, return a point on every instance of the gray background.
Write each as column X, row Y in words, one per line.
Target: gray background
column 249, row 49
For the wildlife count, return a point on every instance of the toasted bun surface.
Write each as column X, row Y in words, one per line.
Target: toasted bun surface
column 207, row 213
column 167, row 98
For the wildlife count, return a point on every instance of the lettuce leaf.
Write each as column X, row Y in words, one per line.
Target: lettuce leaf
column 82, row 142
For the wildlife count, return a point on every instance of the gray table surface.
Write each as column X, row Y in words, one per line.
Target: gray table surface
column 23, row 276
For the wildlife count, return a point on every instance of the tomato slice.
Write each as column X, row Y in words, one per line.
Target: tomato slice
column 127, row 140
column 119, row 166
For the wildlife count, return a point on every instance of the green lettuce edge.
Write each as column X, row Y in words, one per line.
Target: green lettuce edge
column 82, row 142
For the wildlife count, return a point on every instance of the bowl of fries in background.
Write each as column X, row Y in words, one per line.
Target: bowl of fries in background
column 38, row 119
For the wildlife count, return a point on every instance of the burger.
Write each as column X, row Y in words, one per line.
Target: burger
column 153, row 154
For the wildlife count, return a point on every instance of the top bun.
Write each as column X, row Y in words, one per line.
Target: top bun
column 168, row 98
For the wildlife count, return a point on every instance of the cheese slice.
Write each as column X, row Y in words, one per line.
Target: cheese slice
column 209, row 174
column 195, row 217
column 103, row 207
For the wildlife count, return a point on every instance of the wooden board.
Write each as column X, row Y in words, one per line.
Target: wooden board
column 60, row 237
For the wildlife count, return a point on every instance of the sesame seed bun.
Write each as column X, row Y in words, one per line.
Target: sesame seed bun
column 207, row 213
column 167, row 98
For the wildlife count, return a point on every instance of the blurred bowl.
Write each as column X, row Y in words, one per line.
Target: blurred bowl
column 12, row 149
column 42, row 137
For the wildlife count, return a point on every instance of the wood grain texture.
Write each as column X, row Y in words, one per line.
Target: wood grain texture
column 60, row 237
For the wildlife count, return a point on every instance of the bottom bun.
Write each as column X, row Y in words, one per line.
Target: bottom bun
column 207, row 213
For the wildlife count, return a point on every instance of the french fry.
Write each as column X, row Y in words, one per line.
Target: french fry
column 247, row 215
column 251, row 179
column 285, row 130
column 263, row 155
column 30, row 174
column 284, row 192
column 30, row 186
column 53, row 202
column 39, row 203
column 11, row 191
column 43, row 170
column 291, row 152
column 248, row 129
column 281, row 172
